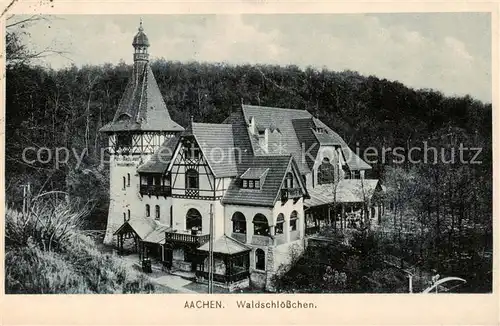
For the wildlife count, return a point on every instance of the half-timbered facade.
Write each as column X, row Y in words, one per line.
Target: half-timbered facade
column 248, row 190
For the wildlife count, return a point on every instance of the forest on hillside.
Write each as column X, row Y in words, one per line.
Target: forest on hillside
column 65, row 108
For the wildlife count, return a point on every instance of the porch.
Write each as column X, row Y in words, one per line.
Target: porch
column 231, row 265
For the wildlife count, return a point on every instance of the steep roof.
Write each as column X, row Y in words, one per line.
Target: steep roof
column 216, row 143
column 226, row 245
column 142, row 107
column 283, row 140
column 268, row 193
column 295, row 129
column 159, row 161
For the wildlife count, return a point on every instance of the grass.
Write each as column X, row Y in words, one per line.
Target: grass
column 47, row 253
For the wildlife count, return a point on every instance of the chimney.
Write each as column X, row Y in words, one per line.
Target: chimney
column 263, row 139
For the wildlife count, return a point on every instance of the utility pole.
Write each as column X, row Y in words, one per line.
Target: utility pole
column 211, row 252
column 26, row 197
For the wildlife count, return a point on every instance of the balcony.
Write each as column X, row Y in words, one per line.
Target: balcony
column 155, row 190
column 187, row 238
column 290, row 193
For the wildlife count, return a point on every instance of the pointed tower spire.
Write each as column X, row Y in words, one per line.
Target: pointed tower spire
column 142, row 106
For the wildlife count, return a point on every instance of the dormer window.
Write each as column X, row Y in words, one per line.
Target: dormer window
column 253, row 178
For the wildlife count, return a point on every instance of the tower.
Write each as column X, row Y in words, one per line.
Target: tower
column 140, row 125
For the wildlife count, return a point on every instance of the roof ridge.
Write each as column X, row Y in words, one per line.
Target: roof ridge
column 273, row 107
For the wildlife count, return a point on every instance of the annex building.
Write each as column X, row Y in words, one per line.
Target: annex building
column 258, row 183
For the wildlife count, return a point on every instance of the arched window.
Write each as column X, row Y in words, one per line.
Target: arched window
column 193, row 219
column 293, row 220
column 128, row 179
column 260, row 225
column 157, row 212
column 148, row 211
column 239, row 223
column 192, row 179
column 326, row 172
column 124, row 183
column 128, row 215
column 289, row 180
column 260, row 260
column 280, row 221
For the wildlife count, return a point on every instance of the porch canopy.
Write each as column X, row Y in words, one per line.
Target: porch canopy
column 232, row 260
column 143, row 231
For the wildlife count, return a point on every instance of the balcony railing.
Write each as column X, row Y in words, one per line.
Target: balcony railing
column 155, row 190
column 197, row 240
column 290, row 193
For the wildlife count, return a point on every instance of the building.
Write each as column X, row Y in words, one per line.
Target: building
column 256, row 183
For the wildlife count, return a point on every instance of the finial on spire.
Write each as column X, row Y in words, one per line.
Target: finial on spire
column 192, row 119
column 140, row 25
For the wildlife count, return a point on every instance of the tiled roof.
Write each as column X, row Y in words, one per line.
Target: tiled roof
column 142, row 107
column 241, row 141
column 216, row 143
column 226, row 245
column 347, row 190
column 267, row 195
column 157, row 235
column 161, row 158
column 254, row 173
column 295, row 128
column 147, row 229
column 283, row 140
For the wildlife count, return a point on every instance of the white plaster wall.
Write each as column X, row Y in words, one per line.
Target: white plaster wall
column 249, row 212
column 164, row 204
column 122, row 199
column 182, row 205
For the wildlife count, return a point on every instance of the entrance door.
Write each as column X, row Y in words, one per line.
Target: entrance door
column 168, row 256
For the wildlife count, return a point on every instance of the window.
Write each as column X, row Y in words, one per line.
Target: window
column 289, row 180
column 260, row 225
column 124, row 140
column 356, row 174
column 150, row 180
column 260, row 260
column 293, row 221
column 239, row 223
column 280, row 221
column 193, row 219
column 192, row 179
column 128, row 179
column 148, row 212
column 124, row 183
column 251, row 184
column 128, row 214
column 326, row 172
column 157, row 212
column 157, row 180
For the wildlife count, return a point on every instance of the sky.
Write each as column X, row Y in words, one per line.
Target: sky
column 449, row 52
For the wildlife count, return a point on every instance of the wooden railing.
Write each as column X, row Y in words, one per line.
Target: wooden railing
column 187, row 238
column 312, row 230
column 225, row 278
column 155, row 190
column 290, row 193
